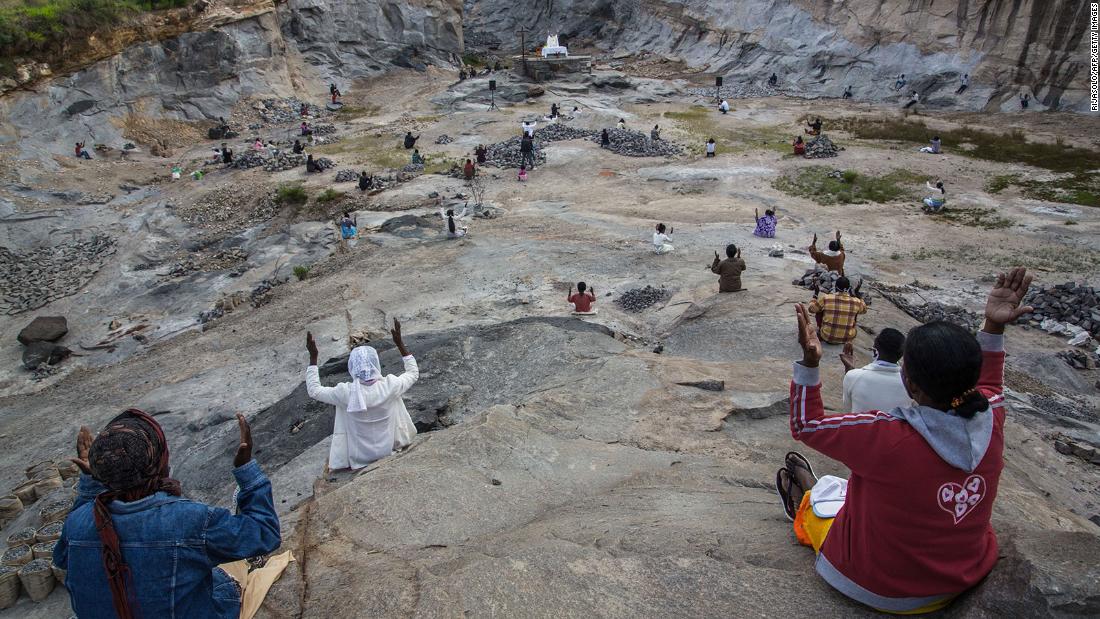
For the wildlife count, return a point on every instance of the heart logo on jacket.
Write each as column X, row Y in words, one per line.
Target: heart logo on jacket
column 961, row 499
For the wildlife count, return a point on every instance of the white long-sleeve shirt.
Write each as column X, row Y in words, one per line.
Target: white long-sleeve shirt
column 875, row 387
column 363, row 437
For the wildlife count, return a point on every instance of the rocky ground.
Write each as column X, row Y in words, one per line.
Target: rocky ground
column 565, row 466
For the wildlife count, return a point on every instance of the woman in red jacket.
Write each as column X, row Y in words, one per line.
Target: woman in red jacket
column 910, row 529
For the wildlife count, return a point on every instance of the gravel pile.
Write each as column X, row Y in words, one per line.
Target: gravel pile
column 1068, row 303
column 506, row 154
column 640, row 299
column 347, row 176
column 223, row 209
column 413, row 168
column 444, row 139
column 1079, row 359
column 826, row 282
column 33, row 279
column 323, row 129
column 821, row 147
column 637, row 144
column 285, row 110
column 323, row 163
column 557, row 132
column 736, row 91
column 249, row 159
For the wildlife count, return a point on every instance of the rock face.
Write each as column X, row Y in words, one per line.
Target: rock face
column 819, row 48
column 43, row 329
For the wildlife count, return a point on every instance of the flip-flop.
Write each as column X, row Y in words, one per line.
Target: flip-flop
column 784, row 492
column 800, row 461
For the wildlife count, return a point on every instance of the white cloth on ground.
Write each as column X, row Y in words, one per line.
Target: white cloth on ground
column 875, row 387
column 375, row 432
column 827, row 496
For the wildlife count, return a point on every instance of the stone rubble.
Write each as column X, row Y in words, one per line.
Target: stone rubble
column 1079, row 359
column 346, row 176
column 39, row 276
column 557, row 132
column 278, row 111
column 259, row 296
column 444, row 139
column 821, row 147
column 826, row 282
column 506, row 154
column 1069, row 446
column 637, row 144
column 1076, row 307
column 934, row 310
column 735, row 91
column 223, row 209
column 639, row 299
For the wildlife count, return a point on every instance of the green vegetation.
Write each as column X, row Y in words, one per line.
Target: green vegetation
column 48, row 27
column 702, row 123
column 472, row 60
column 291, row 193
column 985, row 218
column 1059, row 259
column 329, row 195
column 301, row 272
column 826, row 186
column 1080, row 185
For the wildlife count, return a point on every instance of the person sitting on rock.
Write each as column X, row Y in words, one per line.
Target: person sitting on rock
column 305, row 129
column 298, row 147
column 575, row 113
column 481, row 154
column 655, row 133
column 348, row 229
column 311, row 165
column 724, row 107
column 799, row 146
column 454, row 231
column 130, row 531
column 839, row 312
column 521, row 176
column 303, row 111
column 371, row 419
column 814, row 128
column 711, row 147
column 468, row 170
column 847, row 93
column 365, row 182
column 662, row 243
column 605, row 138
column 911, row 529
column 876, row 386
column 258, row 145
column 410, row 141
column 900, row 82
column 729, row 270
column 81, row 152
column 833, row 259
column 914, row 99
column 621, row 125
column 227, row 154
column 933, row 146
column 934, row 203
column 765, row 226
column 583, row 300
column 416, row 158
column 773, row 80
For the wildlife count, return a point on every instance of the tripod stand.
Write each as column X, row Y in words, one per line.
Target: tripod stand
column 492, row 100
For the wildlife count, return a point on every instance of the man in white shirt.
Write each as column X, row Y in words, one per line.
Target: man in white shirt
column 724, row 107
column 876, row 386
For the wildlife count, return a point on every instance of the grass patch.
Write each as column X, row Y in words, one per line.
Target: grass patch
column 301, row 272
column 702, row 123
column 472, row 60
column 984, row 218
column 1078, row 188
column 356, row 111
column 291, row 193
column 330, row 195
column 826, row 186
column 1057, row 259
column 47, row 28
column 384, row 152
column 999, row 183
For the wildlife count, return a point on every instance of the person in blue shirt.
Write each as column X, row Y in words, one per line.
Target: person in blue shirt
column 348, row 229
column 132, row 546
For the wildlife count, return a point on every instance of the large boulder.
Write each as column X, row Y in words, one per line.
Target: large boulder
column 44, row 329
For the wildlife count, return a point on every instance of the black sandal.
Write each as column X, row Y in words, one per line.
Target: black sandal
column 799, row 461
column 784, row 491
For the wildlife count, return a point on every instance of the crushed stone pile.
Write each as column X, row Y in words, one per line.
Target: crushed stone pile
column 1079, row 359
column 557, row 132
column 826, row 282
column 323, row 129
column 637, row 144
column 444, row 139
column 323, row 163
column 347, row 176
column 821, row 147
column 260, row 295
column 640, row 299
column 413, row 168
column 736, row 91
column 285, row 110
column 506, row 154
column 222, row 209
column 1075, row 308
column 32, row 279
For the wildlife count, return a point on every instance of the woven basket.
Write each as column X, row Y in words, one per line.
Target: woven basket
column 38, row 579
column 17, row 556
column 21, row 537
column 10, row 508
column 49, row 533
column 9, row 586
column 25, row 492
column 43, row 470
column 68, row 469
column 43, row 550
column 55, row 510
column 46, row 485
column 58, row 573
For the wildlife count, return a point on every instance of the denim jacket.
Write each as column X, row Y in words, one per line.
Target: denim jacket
column 171, row 546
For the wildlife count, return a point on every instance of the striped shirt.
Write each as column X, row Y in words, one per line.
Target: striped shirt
column 838, row 316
